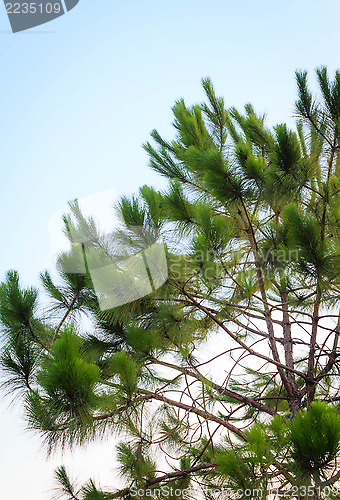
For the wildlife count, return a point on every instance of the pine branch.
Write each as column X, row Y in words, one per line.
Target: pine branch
column 272, row 342
column 221, row 390
column 196, row 411
column 178, row 474
column 69, row 310
column 235, row 337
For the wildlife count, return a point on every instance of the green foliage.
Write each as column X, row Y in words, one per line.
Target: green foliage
column 288, row 172
column 17, row 305
column 133, row 463
column 90, row 492
column 307, row 448
column 125, row 368
column 71, row 492
column 65, row 484
column 316, row 258
column 19, row 362
column 315, row 437
column 67, row 374
column 227, row 375
column 236, row 469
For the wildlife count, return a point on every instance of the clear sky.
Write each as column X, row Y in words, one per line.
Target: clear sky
column 81, row 94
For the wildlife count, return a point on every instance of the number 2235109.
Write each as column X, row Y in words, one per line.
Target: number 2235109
column 33, row 8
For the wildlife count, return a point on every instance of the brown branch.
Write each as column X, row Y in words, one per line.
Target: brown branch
column 35, row 337
column 332, row 357
column 221, row 390
column 235, row 338
column 315, row 321
column 295, row 399
column 192, row 409
column 272, row 342
column 180, row 473
column 70, row 308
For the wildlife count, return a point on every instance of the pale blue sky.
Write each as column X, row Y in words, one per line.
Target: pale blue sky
column 82, row 93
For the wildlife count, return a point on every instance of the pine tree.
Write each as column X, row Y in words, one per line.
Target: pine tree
column 251, row 228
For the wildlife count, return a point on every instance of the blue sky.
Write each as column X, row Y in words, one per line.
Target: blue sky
column 81, row 94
